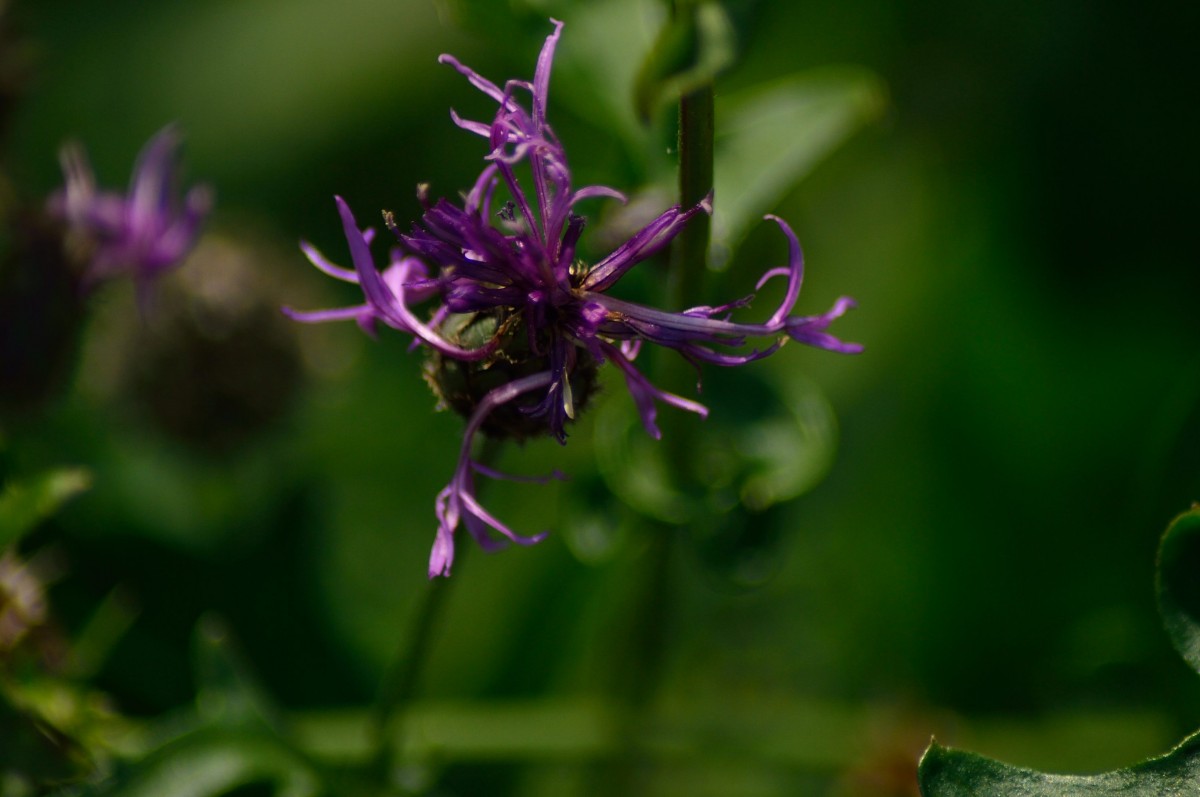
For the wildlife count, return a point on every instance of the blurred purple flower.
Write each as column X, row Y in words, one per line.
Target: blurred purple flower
column 140, row 234
column 550, row 319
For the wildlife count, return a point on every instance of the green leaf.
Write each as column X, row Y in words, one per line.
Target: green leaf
column 216, row 761
column 692, row 48
column 1178, row 587
column 770, row 436
column 23, row 504
column 35, row 752
column 772, row 135
column 945, row 772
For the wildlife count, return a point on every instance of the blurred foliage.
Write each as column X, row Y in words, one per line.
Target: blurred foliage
column 771, row 135
column 952, row 772
column 692, row 48
column 24, row 503
column 1178, row 594
column 975, row 563
column 946, row 773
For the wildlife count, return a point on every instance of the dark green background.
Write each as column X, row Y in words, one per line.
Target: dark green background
column 1017, row 229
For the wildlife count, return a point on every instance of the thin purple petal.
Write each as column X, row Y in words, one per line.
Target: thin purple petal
column 541, row 76
column 645, row 394
column 644, row 244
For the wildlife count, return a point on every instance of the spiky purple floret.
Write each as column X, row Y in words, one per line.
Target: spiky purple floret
column 142, row 233
column 524, row 267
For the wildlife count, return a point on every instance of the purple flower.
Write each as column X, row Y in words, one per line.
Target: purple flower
column 520, row 325
column 141, row 234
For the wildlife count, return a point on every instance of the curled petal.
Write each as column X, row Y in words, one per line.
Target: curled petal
column 645, row 243
column 478, row 128
column 457, row 502
column 794, row 271
column 478, row 81
column 442, row 556
column 695, row 352
column 337, row 314
column 541, row 75
column 810, row 330
column 389, row 300
column 679, row 326
column 317, row 259
column 492, row 473
column 172, row 241
column 153, row 175
column 645, row 394
column 592, row 191
column 479, row 520
column 75, row 199
column 480, row 197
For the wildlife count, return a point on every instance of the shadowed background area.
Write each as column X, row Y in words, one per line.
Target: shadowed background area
column 977, row 561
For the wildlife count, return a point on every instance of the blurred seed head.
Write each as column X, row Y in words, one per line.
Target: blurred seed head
column 215, row 364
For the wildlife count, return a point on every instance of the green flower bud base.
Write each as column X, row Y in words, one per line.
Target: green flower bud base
column 460, row 385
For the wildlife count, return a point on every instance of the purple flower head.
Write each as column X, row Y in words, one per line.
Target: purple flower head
column 142, row 233
column 520, row 325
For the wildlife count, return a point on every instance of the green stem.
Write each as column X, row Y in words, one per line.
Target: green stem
column 647, row 633
column 690, row 260
column 399, row 684
column 400, row 681
column 689, row 264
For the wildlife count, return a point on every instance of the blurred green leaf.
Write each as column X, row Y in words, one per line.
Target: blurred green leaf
column 34, row 752
column 770, row 436
column 760, row 731
column 692, row 48
column 1178, row 586
column 603, row 50
column 23, row 504
column 216, row 761
column 72, row 714
column 226, row 691
column 944, row 772
column 95, row 640
column 770, row 136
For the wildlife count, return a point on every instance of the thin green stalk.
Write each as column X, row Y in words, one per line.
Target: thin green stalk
column 400, row 681
column 690, row 258
column 647, row 634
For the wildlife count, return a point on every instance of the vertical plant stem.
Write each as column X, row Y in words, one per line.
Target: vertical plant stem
column 690, row 257
column 648, row 629
column 400, row 681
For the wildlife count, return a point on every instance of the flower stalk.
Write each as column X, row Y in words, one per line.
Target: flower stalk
column 399, row 684
column 690, row 262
